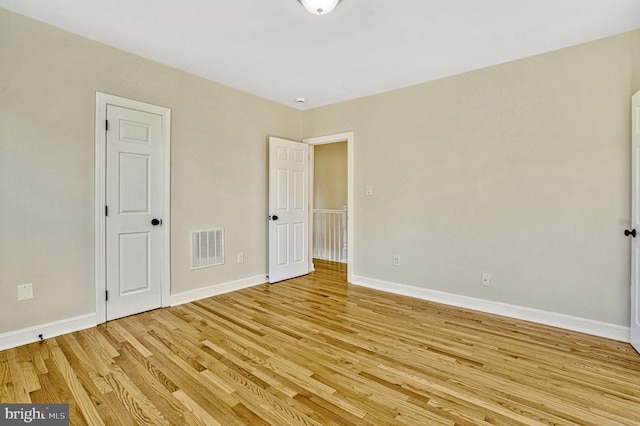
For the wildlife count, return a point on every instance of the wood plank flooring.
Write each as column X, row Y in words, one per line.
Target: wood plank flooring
column 317, row 351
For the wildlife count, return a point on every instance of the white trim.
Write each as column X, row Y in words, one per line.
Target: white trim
column 568, row 322
column 102, row 100
column 216, row 289
column 350, row 139
column 28, row 335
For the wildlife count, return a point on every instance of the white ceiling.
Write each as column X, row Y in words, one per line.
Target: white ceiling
column 277, row 50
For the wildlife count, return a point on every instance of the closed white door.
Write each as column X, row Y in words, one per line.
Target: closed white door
column 135, row 153
column 635, row 224
column 288, row 209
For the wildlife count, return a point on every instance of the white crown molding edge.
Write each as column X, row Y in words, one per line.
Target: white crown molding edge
column 568, row 322
column 31, row 334
column 216, row 289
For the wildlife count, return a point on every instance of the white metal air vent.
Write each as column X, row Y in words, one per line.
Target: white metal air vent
column 207, row 248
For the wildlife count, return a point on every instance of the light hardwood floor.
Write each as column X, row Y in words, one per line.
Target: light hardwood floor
column 317, row 351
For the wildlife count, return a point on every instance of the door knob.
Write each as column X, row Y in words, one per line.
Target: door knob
column 632, row 233
column 156, row 222
column 274, row 217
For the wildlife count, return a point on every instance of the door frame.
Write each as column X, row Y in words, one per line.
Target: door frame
column 321, row 140
column 102, row 101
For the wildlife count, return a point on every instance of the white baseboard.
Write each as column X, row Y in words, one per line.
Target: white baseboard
column 568, row 322
column 214, row 290
column 27, row 335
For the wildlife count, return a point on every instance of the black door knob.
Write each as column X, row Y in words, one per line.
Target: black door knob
column 632, row 233
column 274, row 217
column 156, row 222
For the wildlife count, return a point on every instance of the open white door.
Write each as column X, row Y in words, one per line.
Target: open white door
column 635, row 224
column 288, row 209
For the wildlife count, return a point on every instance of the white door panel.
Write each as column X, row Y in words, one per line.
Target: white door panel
column 288, row 209
column 635, row 225
column 134, row 190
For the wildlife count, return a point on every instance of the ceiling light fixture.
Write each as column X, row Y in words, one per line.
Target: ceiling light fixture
column 319, row 7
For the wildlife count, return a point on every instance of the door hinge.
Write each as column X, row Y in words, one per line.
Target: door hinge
column 106, row 125
column 106, row 210
column 106, row 295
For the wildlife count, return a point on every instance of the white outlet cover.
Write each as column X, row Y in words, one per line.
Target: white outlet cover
column 485, row 279
column 25, row 291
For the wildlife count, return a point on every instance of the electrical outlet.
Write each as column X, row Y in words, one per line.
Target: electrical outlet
column 25, row 291
column 241, row 257
column 485, row 279
column 396, row 260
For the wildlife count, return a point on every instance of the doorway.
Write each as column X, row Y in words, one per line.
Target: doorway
column 347, row 137
column 330, row 241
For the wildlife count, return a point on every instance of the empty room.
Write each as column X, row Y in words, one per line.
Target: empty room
column 320, row 212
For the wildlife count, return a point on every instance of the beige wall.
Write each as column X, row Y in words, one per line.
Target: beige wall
column 521, row 170
column 48, row 80
column 330, row 176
